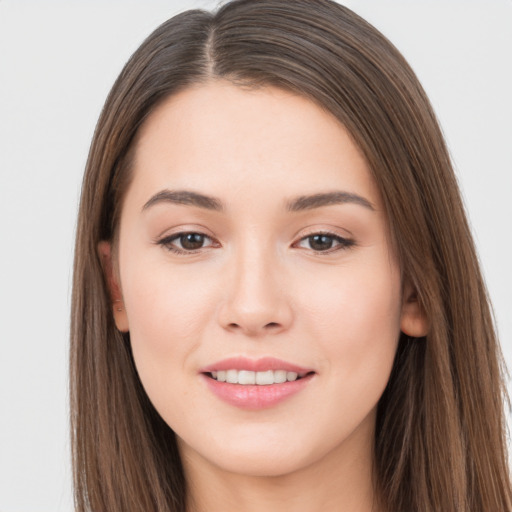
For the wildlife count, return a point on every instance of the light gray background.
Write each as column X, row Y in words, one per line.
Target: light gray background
column 57, row 62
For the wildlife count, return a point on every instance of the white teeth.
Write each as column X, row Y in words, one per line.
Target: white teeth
column 280, row 376
column 265, row 378
column 260, row 378
column 232, row 376
column 246, row 377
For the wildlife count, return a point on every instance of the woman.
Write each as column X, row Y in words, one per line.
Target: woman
column 277, row 300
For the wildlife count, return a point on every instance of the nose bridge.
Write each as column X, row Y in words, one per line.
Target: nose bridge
column 254, row 282
column 256, row 300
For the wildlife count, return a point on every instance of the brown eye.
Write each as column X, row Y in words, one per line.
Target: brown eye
column 325, row 242
column 191, row 241
column 320, row 242
column 183, row 243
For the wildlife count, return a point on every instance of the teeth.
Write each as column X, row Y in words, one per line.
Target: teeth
column 265, row 378
column 280, row 376
column 290, row 376
column 232, row 376
column 259, row 378
column 246, row 377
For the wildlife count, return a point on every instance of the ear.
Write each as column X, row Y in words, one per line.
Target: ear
column 413, row 321
column 112, row 279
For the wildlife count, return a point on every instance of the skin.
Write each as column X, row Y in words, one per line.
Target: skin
column 259, row 287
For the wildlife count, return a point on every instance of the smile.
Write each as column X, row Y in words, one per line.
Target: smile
column 256, row 384
column 247, row 377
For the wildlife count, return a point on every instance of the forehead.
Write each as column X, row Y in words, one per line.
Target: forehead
column 226, row 138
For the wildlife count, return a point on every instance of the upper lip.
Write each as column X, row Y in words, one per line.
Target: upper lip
column 254, row 365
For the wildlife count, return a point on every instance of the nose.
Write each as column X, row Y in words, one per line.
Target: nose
column 256, row 302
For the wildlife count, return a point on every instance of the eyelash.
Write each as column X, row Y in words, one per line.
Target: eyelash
column 342, row 243
column 168, row 240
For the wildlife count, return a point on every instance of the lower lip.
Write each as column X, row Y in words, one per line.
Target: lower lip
column 254, row 397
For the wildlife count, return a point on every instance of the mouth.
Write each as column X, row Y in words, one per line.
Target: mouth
column 258, row 378
column 256, row 384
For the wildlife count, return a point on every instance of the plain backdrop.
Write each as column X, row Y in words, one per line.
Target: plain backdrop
column 58, row 61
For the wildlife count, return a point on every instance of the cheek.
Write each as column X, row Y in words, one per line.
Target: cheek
column 356, row 319
column 167, row 313
column 364, row 292
column 355, row 322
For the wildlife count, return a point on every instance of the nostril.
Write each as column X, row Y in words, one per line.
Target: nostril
column 272, row 325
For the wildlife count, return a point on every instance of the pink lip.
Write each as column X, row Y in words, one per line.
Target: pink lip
column 254, row 397
column 254, row 365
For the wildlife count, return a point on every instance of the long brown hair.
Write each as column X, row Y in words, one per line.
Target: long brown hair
column 440, row 436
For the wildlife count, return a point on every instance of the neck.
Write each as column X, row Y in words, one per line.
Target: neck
column 340, row 481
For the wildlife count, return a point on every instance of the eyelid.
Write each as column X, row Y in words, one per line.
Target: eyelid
column 166, row 241
column 343, row 242
column 182, row 229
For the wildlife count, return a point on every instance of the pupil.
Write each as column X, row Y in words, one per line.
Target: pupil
column 192, row 241
column 320, row 242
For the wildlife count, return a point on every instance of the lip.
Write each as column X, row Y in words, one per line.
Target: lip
column 255, row 365
column 254, row 397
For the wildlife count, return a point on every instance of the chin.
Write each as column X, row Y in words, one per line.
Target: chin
column 260, row 456
column 261, row 465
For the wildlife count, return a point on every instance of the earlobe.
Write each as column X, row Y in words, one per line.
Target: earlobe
column 112, row 280
column 413, row 321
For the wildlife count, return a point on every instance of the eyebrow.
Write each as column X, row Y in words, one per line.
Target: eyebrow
column 184, row 197
column 310, row 202
column 300, row 203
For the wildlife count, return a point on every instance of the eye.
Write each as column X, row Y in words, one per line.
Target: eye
column 183, row 243
column 325, row 242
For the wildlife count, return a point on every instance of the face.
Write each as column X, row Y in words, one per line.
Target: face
column 258, row 284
